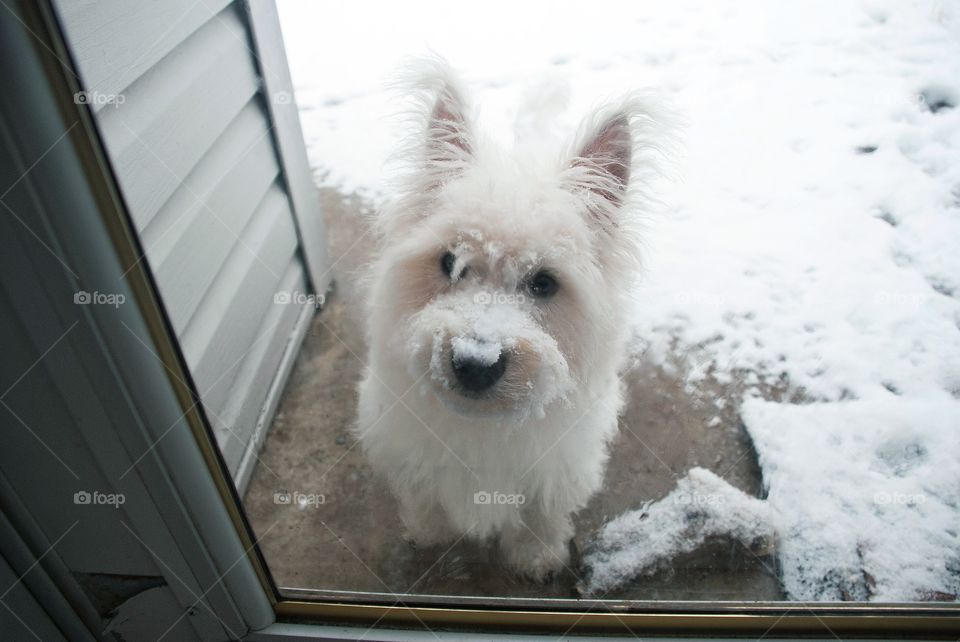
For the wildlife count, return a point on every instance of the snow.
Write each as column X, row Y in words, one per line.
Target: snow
column 813, row 239
column 845, row 520
column 701, row 507
column 873, row 515
column 470, row 349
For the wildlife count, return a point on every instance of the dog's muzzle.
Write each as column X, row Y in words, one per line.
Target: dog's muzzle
column 486, row 361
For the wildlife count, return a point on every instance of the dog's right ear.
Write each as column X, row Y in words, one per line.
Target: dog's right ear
column 448, row 149
column 447, row 146
column 448, row 137
column 441, row 144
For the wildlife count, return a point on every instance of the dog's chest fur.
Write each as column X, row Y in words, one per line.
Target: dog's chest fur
column 556, row 461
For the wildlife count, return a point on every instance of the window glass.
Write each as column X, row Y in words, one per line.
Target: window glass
column 654, row 302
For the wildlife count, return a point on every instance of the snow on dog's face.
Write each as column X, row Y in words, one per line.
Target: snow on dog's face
column 502, row 281
column 495, row 315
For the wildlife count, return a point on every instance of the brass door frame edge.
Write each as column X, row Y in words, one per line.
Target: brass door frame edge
column 796, row 618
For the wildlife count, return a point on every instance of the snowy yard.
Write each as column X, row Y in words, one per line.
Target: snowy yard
column 812, row 240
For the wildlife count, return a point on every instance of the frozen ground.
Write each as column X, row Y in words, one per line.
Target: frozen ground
column 812, row 242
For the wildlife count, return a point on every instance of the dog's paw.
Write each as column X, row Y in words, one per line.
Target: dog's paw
column 536, row 561
column 425, row 524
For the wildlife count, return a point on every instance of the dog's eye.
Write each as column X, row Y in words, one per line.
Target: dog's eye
column 542, row 285
column 446, row 263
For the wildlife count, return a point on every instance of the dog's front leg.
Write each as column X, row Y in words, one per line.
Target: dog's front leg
column 425, row 523
column 537, row 548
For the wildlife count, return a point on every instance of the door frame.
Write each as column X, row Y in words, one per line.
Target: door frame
column 183, row 507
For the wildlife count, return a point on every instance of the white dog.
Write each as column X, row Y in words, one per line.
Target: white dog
column 498, row 323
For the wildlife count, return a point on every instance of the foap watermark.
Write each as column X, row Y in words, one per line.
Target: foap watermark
column 499, row 298
column 908, row 300
column 496, row 498
column 285, row 297
column 99, row 298
column 298, row 499
column 699, row 499
column 901, row 499
column 98, row 99
column 96, row 498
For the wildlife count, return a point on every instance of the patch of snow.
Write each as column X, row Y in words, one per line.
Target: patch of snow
column 437, row 367
column 866, row 495
column 703, row 506
column 484, row 352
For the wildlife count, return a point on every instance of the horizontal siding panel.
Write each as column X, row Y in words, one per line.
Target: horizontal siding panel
column 116, row 41
column 192, row 235
column 221, row 332
column 236, row 425
column 175, row 112
column 236, row 142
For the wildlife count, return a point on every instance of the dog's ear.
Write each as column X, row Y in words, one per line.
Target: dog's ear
column 442, row 142
column 440, row 147
column 600, row 169
column 607, row 155
column 448, row 135
column 615, row 149
column 447, row 146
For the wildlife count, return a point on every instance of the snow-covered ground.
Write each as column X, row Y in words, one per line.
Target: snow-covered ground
column 700, row 507
column 814, row 237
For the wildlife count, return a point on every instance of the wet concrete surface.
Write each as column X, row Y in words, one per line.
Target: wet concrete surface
column 352, row 542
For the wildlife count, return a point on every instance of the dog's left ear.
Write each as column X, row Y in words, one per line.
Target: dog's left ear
column 607, row 155
column 600, row 169
column 614, row 147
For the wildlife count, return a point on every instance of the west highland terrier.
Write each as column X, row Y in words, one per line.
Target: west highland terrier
column 498, row 322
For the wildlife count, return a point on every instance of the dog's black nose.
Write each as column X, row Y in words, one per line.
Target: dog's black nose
column 475, row 375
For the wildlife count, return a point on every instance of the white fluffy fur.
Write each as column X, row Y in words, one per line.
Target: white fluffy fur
column 542, row 431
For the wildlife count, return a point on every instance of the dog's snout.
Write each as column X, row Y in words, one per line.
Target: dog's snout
column 475, row 375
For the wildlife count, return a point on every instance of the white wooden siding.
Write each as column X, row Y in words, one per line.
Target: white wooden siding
column 281, row 324
column 173, row 113
column 224, row 327
column 115, row 41
column 214, row 173
column 196, row 229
